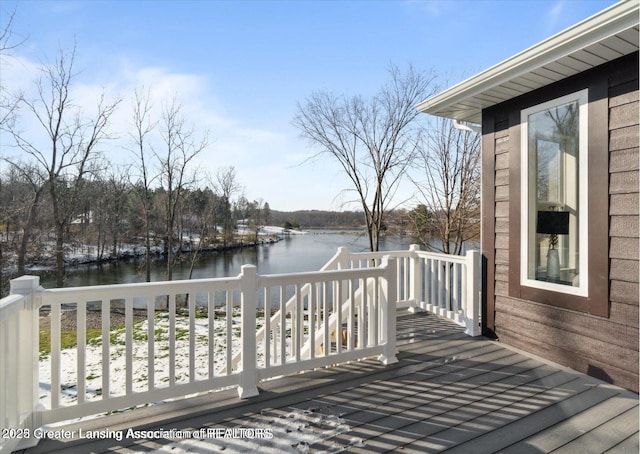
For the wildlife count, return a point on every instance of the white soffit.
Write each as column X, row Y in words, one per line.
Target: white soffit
column 610, row 34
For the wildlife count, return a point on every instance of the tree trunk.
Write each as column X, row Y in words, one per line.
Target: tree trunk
column 169, row 257
column 100, row 248
column 59, row 255
column 147, row 257
column 26, row 235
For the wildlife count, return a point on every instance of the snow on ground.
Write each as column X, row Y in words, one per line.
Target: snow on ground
column 117, row 368
column 296, row 431
column 292, row 432
column 275, row 230
column 81, row 254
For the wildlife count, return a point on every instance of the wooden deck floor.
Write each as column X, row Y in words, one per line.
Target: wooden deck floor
column 448, row 393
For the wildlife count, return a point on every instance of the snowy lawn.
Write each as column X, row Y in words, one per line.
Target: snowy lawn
column 117, row 360
column 295, row 431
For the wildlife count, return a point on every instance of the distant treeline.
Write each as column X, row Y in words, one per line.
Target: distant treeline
column 306, row 219
column 397, row 222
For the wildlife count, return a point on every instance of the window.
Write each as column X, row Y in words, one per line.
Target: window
column 554, row 227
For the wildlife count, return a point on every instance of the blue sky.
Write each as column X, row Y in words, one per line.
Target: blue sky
column 240, row 67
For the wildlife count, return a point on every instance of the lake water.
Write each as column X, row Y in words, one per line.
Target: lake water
column 308, row 252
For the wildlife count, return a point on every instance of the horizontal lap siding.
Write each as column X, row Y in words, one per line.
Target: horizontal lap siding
column 603, row 347
column 501, row 238
column 624, row 202
column 581, row 342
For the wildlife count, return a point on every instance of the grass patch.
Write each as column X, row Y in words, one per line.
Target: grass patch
column 68, row 339
column 142, row 335
column 114, row 335
column 181, row 333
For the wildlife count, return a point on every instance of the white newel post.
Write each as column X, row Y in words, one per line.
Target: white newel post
column 248, row 385
column 342, row 256
column 415, row 277
column 27, row 367
column 388, row 309
column 472, row 310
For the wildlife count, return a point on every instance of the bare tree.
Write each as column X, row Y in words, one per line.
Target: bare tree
column 450, row 189
column 35, row 180
column 143, row 126
column 372, row 140
column 9, row 40
column 73, row 141
column 114, row 197
column 203, row 204
column 180, row 148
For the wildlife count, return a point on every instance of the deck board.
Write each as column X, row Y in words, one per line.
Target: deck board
column 448, row 392
column 527, row 421
column 606, row 436
column 558, row 435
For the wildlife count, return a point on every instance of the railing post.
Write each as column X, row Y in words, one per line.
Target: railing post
column 342, row 257
column 388, row 309
column 248, row 384
column 27, row 368
column 472, row 306
column 415, row 276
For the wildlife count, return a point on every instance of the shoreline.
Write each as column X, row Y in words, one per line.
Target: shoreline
column 46, row 265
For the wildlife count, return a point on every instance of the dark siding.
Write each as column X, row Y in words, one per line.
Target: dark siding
column 495, row 215
column 501, row 238
column 624, row 203
column 603, row 346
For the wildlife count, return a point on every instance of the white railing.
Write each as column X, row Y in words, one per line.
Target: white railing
column 447, row 285
column 183, row 337
column 288, row 324
column 157, row 354
column 164, row 365
column 19, row 364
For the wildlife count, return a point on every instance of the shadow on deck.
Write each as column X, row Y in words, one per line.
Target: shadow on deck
column 448, row 392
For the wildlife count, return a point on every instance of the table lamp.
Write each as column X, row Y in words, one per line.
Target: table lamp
column 553, row 223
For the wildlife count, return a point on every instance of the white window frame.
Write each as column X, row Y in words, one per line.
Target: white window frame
column 583, row 226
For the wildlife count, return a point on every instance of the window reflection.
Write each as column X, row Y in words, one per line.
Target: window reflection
column 553, row 153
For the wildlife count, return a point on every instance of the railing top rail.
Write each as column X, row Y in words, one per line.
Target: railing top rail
column 333, row 261
column 407, row 253
column 442, row 256
column 378, row 254
column 320, row 276
column 10, row 304
column 140, row 289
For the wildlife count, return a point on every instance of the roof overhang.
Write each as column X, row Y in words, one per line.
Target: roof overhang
column 606, row 36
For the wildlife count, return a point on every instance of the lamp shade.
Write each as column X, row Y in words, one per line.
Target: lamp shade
column 553, row 222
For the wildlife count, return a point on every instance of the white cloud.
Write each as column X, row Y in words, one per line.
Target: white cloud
column 269, row 163
column 17, row 72
column 554, row 15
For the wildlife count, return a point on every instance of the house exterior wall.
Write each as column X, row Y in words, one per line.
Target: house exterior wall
column 597, row 335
